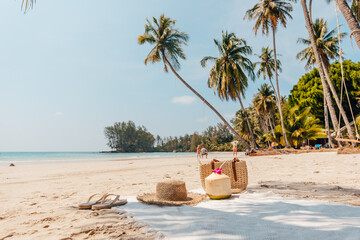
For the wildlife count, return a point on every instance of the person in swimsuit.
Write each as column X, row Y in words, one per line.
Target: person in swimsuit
column 234, row 143
column 198, row 151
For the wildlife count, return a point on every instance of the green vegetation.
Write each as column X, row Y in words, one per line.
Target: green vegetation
column 308, row 91
column 126, row 137
column 214, row 138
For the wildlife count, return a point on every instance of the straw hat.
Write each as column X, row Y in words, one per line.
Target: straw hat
column 171, row 193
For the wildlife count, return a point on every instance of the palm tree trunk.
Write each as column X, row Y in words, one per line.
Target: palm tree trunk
column 326, row 116
column 271, row 127
column 350, row 19
column 322, row 67
column 278, row 92
column 338, row 103
column 310, row 9
column 327, row 97
column 238, row 137
column 256, row 146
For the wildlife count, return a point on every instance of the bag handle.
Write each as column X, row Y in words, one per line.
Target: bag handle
column 234, row 167
column 213, row 163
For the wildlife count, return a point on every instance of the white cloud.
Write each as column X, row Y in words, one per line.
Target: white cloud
column 184, row 100
column 202, row 120
column 58, row 114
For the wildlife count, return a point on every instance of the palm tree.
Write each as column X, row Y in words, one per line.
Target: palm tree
column 327, row 44
column 351, row 20
column 268, row 15
column 265, row 105
column 267, row 65
column 355, row 8
column 168, row 48
column 241, row 124
column 324, row 74
column 301, row 125
column 228, row 76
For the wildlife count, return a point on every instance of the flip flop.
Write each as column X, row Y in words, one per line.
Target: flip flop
column 88, row 204
column 108, row 203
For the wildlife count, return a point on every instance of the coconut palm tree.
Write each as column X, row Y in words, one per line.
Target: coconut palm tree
column 355, row 8
column 350, row 18
column 168, row 49
column 268, row 15
column 264, row 104
column 266, row 66
column 241, row 124
column 228, row 77
column 301, row 125
column 327, row 44
column 324, row 74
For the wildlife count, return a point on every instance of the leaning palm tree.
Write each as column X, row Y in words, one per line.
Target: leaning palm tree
column 324, row 74
column 265, row 105
column 168, row 49
column 268, row 14
column 228, row 77
column 327, row 44
column 350, row 18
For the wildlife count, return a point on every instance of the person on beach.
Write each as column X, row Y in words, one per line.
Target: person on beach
column 198, row 151
column 204, row 152
column 234, row 143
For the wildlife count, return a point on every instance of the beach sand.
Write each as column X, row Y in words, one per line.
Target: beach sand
column 40, row 201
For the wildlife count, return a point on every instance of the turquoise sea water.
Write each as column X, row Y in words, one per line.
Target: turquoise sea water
column 22, row 158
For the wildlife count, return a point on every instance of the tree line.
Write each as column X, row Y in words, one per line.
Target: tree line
column 127, row 137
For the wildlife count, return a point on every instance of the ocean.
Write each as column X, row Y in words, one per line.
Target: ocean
column 26, row 158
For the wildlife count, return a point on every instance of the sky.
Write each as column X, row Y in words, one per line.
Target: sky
column 69, row 68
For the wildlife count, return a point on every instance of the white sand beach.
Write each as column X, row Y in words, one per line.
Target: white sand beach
column 40, row 201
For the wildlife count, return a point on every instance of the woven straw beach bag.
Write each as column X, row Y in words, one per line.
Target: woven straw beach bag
column 235, row 169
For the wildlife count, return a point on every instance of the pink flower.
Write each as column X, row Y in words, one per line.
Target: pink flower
column 217, row 171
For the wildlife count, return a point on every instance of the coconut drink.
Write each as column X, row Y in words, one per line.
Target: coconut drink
column 218, row 185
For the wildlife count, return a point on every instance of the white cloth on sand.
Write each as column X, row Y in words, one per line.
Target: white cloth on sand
column 251, row 216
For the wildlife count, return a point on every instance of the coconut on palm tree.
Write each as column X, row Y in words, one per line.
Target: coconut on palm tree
column 327, row 44
column 264, row 104
column 231, row 71
column 268, row 15
column 168, row 43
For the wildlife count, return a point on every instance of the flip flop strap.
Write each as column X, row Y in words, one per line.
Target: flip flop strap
column 96, row 195
column 108, row 195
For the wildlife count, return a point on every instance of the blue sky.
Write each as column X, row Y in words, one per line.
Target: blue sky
column 71, row 68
